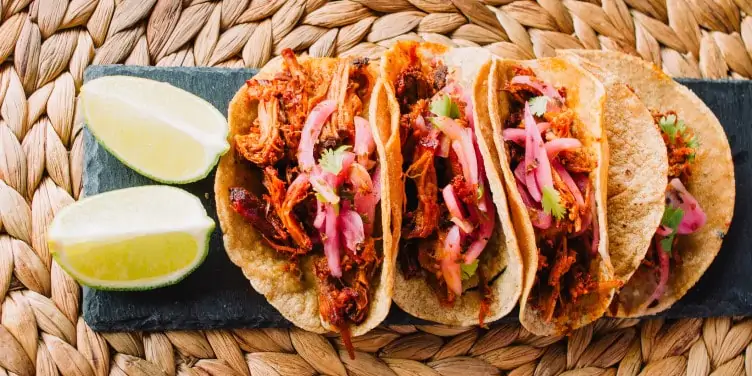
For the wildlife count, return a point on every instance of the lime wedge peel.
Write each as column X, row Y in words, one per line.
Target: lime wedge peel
column 163, row 132
column 131, row 239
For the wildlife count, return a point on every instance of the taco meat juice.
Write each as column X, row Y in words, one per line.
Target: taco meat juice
column 321, row 179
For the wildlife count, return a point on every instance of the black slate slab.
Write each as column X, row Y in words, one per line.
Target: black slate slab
column 217, row 295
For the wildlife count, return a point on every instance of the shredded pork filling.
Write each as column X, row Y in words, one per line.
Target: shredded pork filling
column 318, row 199
column 682, row 216
column 552, row 172
column 448, row 216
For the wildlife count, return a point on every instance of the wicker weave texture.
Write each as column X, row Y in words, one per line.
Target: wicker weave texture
column 46, row 44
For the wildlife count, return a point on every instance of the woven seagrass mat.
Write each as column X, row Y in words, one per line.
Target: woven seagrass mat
column 46, row 44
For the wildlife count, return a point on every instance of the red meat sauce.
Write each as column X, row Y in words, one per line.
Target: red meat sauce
column 425, row 216
column 284, row 211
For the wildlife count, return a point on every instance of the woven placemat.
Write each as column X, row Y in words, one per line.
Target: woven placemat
column 46, row 44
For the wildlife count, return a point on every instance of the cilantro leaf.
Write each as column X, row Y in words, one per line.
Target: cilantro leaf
column 538, row 105
column 670, row 126
column 552, row 202
column 694, row 145
column 672, row 216
column 674, row 127
column 331, row 160
column 444, row 106
column 468, row 270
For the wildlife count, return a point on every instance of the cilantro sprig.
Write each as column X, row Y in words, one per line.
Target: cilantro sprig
column 331, row 160
column 444, row 106
column 552, row 202
column 538, row 105
column 672, row 216
column 468, row 270
column 674, row 127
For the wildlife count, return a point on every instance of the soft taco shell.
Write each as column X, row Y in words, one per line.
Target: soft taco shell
column 712, row 180
column 585, row 95
column 637, row 170
column 501, row 258
column 296, row 299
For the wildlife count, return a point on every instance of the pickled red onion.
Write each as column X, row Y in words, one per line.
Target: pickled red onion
column 450, row 267
column 539, row 85
column 541, row 219
column 482, row 183
column 455, row 210
column 519, row 172
column 557, row 145
column 366, row 198
column 542, row 167
column 364, row 143
column 331, row 242
column 568, row 181
column 318, row 222
column 516, row 135
column 484, row 234
column 694, row 216
column 532, row 153
column 311, row 130
column 351, row 228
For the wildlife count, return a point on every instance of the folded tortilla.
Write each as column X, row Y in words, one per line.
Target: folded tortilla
column 639, row 162
column 296, row 297
column 500, row 259
column 585, row 96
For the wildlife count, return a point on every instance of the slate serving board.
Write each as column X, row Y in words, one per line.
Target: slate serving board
column 217, row 295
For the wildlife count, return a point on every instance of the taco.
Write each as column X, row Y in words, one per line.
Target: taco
column 458, row 260
column 697, row 181
column 299, row 198
column 546, row 118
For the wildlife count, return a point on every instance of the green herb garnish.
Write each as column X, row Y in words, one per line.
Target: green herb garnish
column 538, row 105
column 674, row 127
column 331, row 160
column 670, row 126
column 552, row 203
column 671, row 218
column 468, row 270
column 444, row 106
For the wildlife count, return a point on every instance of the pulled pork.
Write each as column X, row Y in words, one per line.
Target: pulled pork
column 286, row 212
column 664, row 254
column 566, row 231
column 424, row 248
column 424, row 220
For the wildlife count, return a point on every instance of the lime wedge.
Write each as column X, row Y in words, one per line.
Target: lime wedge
column 131, row 239
column 163, row 132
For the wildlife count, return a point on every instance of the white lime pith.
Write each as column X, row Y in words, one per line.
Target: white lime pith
column 131, row 239
column 163, row 132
